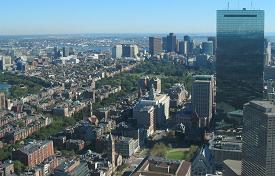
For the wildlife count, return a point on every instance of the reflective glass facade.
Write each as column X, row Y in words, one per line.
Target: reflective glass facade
column 240, row 56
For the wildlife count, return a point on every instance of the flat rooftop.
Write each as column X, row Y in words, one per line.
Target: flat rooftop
column 234, row 165
column 30, row 148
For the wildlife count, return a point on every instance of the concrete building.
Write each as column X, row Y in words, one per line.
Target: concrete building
column 164, row 43
column 269, row 72
column 207, row 48
column 66, row 51
column 117, row 51
column 126, row 146
column 129, row 50
column 214, row 40
column 155, row 45
column 225, row 147
column 161, row 103
column 202, row 98
column 171, row 43
column 34, row 153
column 145, row 118
column 161, row 167
column 202, row 61
column 268, row 55
column 5, row 62
column 232, row 168
column 258, row 139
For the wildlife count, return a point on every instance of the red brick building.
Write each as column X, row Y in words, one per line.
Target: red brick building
column 34, row 153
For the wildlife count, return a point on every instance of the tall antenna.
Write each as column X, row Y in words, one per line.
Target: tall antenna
column 228, row 5
column 251, row 5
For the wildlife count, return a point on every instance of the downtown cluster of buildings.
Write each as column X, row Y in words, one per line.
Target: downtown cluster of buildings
column 186, row 51
column 241, row 92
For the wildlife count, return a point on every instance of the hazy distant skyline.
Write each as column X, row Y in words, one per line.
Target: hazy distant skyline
column 20, row 17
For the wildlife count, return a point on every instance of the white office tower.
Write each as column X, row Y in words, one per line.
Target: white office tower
column 117, row 51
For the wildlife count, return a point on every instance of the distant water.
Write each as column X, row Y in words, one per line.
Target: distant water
column 5, row 87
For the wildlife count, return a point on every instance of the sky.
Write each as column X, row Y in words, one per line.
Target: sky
column 120, row 16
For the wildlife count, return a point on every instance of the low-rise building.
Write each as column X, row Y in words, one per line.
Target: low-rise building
column 7, row 168
column 226, row 147
column 178, row 95
column 75, row 145
column 162, row 167
column 72, row 168
column 34, row 153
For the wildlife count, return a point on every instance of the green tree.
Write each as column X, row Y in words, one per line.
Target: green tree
column 18, row 167
column 159, row 149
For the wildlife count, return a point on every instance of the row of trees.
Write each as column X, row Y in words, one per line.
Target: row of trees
column 22, row 85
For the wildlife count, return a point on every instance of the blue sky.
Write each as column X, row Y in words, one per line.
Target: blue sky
column 119, row 16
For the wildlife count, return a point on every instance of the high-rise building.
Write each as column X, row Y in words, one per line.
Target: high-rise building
column 202, row 98
column 145, row 116
column 258, row 139
column 164, row 43
column 71, row 51
column 182, row 47
column 171, row 43
column 187, row 38
column 66, row 51
column 214, row 40
column 117, row 51
column 268, row 55
column 207, row 48
column 161, row 103
column 129, row 50
column 155, row 45
column 56, row 52
column 240, row 56
column 5, row 62
column 189, row 44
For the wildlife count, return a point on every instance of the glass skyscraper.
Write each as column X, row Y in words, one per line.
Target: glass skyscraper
column 240, row 56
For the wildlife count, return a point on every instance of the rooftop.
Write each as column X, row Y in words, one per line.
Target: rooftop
column 234, row 165
column 160, row 166
column 263, row 106
column 30, row 148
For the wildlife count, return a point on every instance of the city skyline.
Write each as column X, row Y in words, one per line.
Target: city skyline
column 155, row 16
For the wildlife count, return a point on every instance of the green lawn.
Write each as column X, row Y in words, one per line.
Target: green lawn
column 181, row 154
column 176, row 154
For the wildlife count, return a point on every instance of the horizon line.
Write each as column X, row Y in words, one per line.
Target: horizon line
column 116, row 33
